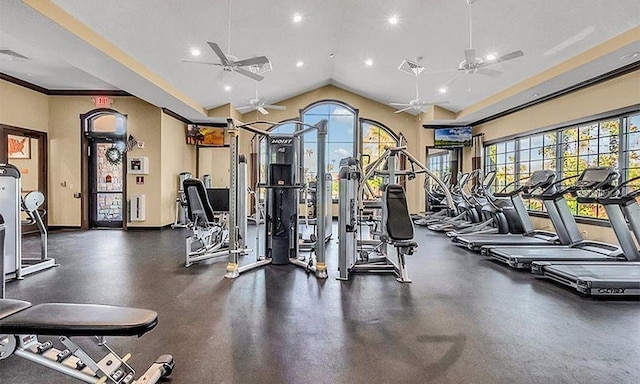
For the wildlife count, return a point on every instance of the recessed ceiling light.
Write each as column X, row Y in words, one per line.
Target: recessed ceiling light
column 393, row 20
column 443, row 90
column 227, row 88
column 297, row 18
column 535, row 94
column 368, row 62
column 195, row 52
column 299, row 64
column 491, row 56
column 331, row 55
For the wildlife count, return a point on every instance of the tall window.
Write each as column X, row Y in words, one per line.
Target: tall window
column 501, row 158
column 613, row 142
column 375, row 138
column 439, row 163
column 340, row 139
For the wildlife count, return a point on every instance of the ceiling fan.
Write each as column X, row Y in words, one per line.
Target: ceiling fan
column 230, row 63
column 473, row 64
column 260, row 104
column 416, row 104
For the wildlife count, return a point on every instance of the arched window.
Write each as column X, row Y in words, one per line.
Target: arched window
column 341, row 137
column 374, row 138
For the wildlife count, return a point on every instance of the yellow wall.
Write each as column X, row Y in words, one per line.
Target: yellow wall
column 404, row 123
column 621, row 92
column 176, row 157
column 22, row 107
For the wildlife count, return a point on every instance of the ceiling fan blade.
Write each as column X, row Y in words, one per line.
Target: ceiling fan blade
column 252, row 61
column 470, row 56
column 262, row 110
column 425, row 103
column 245, row 107
column 489, row 72
column 223, row 58
column 248, row 73
column 399, row 104
column 403, row 109
column 201, row 62
column 509, row 56
column 276, row 107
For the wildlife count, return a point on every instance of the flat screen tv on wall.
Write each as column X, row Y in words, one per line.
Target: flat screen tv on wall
column 205, row 136
column 453, row 137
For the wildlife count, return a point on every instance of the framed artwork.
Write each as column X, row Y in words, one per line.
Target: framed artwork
column 18, row 147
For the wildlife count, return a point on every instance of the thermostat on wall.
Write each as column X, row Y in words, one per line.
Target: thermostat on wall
column 138, row 165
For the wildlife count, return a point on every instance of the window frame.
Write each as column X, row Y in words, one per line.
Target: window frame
column 622, row 162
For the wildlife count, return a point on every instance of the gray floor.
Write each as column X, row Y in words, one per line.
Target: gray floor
column 464, row 319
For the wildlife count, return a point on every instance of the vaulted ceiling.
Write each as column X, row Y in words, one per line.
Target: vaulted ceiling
column 138, row 46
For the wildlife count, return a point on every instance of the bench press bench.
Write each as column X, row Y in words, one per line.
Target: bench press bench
column 21, row 322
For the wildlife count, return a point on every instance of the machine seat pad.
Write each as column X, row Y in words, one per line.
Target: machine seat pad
column 8, row 307
column 408, row 243
column 59, row 319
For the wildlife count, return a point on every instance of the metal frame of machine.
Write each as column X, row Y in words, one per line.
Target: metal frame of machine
column 355, row 253
column 283, row 184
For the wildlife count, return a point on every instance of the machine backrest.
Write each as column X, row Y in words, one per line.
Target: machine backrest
column 399, row 223
column 218, row 199
column 197, row 201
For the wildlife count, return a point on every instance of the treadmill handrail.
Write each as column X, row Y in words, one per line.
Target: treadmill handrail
column 619, row 187
column 551, row 192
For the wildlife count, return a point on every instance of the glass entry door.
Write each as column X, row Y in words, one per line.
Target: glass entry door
column 106, row 189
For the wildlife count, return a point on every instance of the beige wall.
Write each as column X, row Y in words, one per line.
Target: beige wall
column 143, row 122
column 404, row 123
column 215, row 162
column 176, row 157
column 621, row 92
column 24, row 108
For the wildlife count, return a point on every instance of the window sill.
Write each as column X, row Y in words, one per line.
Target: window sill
column 579, row 219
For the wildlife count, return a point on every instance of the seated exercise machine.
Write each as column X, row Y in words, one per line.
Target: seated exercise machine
column 208, row 218
column 11, row 204
column 390, row 221
column 282, row 185
column 21, row 323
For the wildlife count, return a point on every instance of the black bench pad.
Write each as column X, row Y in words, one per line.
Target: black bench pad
column 58, row 319
column 8, row 307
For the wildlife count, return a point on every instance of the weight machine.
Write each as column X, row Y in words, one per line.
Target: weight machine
column 181, row 219
column 11, row 204
column 388, row 219
column 313, row 217
column 281, row 205
column 209, row 213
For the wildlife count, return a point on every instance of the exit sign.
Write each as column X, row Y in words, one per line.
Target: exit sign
column 102, row 101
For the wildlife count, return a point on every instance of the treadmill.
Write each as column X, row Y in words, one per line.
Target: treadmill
column 591, row 182
column 612, row 278
column 539, row 180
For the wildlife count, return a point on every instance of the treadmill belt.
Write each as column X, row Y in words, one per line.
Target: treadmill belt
column 623, row 271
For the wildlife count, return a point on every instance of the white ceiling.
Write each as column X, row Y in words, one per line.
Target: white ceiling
column 159, row 34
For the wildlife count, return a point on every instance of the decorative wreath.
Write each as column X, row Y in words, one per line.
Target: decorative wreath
column 114, row 155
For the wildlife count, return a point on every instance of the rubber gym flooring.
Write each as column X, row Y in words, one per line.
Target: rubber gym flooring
column 464, row 319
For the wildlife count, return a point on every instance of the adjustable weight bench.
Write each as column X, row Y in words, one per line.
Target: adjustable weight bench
column 20, row 322
column 399, row 228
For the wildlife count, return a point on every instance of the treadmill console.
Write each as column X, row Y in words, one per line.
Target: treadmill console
column 600, row 177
